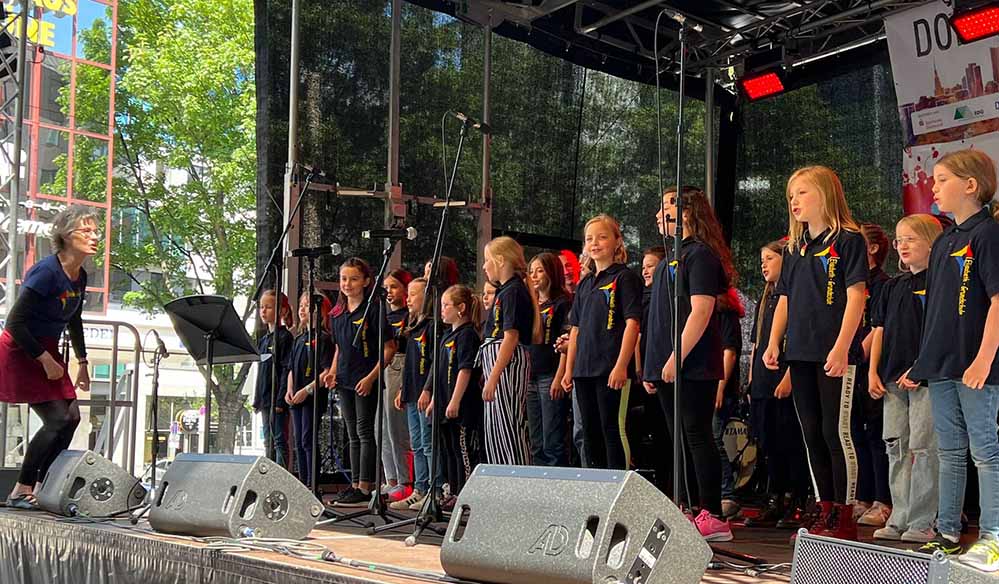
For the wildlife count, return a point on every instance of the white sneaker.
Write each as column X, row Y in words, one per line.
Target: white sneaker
column 918, row 535
column 889, row 533
column 407, row 503
column 418, row 504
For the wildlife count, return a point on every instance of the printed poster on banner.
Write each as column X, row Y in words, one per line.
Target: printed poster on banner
column 948, row 95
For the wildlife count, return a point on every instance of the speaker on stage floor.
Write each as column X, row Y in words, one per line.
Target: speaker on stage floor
column 81, row 482
column 233, row 496
column 525, row 524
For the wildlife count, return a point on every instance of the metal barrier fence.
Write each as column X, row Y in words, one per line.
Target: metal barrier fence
column 111, row 415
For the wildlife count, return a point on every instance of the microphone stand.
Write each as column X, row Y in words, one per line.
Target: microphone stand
column 431, row 511
column 276, row 262
column 376, row 507
column 677, row 331
column 151, row 495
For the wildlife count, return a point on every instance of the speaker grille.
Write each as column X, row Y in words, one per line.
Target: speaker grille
column 819, row 560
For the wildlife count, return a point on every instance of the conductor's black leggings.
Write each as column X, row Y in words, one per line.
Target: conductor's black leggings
column 59, row 421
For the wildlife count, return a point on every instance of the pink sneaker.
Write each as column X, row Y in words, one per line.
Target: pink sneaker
column 400, row 493
column 712, row 528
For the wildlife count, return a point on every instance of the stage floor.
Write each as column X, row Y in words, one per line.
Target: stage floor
column 36, row 547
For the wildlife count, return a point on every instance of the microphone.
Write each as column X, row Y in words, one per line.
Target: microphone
column 682, row 19
column 475, row 124
column 160, row 345
column 333, row 249
column 407, row 233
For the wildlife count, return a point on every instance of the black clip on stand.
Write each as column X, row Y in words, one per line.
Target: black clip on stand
column 376, row 507
column 276, row 264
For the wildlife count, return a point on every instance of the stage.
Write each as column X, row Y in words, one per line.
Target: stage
column 36, row 548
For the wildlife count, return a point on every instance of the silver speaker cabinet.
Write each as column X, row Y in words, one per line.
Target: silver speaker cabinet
column 81, row 482
column 947, row 570
column 232, row 496
column 824, row 560
column 525, row 525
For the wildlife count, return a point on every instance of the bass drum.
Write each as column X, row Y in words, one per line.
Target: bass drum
column 741, row 449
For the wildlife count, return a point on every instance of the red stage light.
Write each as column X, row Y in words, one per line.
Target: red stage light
column 762, row 85
column 976, row 23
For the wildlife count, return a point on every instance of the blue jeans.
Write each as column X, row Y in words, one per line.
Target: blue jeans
column 420, row 439
column 277, row 426
column 718, row 427
column 546, row 420
column 577, row 432
column 963, row 418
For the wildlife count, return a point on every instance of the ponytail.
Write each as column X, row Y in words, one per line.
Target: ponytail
column 459, row 295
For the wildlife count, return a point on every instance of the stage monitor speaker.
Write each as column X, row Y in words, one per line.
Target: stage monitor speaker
column 81, row 482
column 526, row 524
column 946, row 569
column 824, row 560
column 233, row 496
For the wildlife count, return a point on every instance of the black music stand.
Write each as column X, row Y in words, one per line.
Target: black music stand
column 213, row 334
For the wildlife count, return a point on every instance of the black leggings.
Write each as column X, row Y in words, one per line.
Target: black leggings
column 461, row 453
column 59, row 421
column 600, row 408
column 824, row 404
column 775, row 425
column 359, row 417
column 697, row 409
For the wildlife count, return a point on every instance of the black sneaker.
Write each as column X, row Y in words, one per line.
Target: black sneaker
column 943, row 544
column 768, row 516
column 340, row 495
column 354, row 498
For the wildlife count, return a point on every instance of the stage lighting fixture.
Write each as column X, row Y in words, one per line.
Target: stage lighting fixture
column 762, row 84
column 975, row 19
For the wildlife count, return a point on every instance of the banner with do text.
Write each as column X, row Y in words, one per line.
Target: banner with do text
column 948, row 95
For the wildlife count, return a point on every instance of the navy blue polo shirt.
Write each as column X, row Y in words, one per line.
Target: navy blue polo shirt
column 603, row 303
column 513, row 309
column 419, row 360
column 554, row 316
column 262, row 395
column 730, row 332
column 815, row 278
column 397, row 320
column 63, row 298
column 765, row 380
column 457, row 351
column 302, row 361
column 962, row 278
column 354, row 363
column 900, row 312
column 703, row 275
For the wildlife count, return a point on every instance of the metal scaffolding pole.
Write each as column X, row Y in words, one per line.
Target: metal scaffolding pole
column 485, row 214
column 291, row 193
column 709, row 134
column 10, row 292
column 394, row 207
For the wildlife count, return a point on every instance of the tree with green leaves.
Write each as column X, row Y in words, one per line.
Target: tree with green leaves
column 185, row 106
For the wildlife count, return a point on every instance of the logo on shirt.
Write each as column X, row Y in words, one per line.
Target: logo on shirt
column 672, row 270
column 610, row 295
column 829, row 259
column 449, row 347
column 496, row 318
column 364, row 336
column 421, row 346
column 965, row 260
column 66, row 296
column 546, row 322
column 397, row 327
column 921, row 295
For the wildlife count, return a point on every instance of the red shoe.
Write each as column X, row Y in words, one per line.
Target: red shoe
column 842, row 524
column 819, row 524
